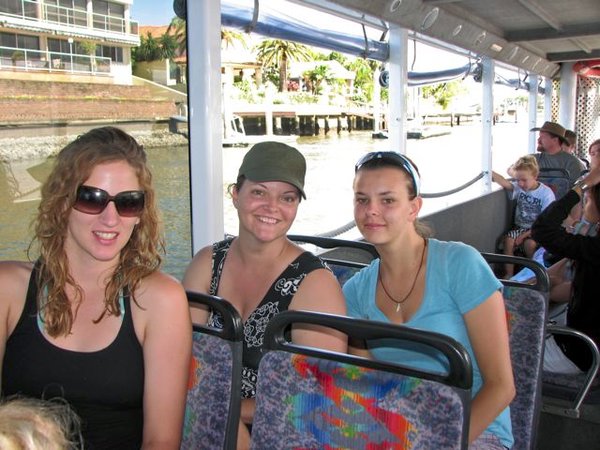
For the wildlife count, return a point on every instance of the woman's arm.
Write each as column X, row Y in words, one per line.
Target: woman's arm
column 14, row 279
column 167, row 343
column 548, row 231
column 320, row 292
column 488, row 333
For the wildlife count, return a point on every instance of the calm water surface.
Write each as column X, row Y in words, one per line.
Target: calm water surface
column 445, row 162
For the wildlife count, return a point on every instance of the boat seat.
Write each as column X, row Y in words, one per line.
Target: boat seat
column 213, row 399
column 556, row 179
column 344, row 257
column 313, row 398
column 526, row 314
column 564, row 394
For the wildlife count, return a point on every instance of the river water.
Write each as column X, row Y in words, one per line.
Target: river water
column 445, row 162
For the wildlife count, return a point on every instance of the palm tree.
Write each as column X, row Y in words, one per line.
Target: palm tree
column 316, row 76
column 277, row 53
column 152, row 49
column 177, row 29
column 363, row 81
column 230, row 37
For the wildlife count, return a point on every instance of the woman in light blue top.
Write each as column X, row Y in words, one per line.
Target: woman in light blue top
column 446, row 287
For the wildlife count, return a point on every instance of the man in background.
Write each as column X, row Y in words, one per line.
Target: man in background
column 551, row 155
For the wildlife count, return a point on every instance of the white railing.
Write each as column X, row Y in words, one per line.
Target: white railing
column 35, row 60
column 76, row 18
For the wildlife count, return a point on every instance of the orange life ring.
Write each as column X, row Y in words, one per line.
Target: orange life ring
column 590, row 68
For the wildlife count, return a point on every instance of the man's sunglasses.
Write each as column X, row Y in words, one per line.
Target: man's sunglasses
column 396, row 159
column 92, row 200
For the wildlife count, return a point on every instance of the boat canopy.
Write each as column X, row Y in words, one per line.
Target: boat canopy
column 253, row 16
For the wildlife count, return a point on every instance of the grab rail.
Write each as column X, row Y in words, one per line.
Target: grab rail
column 455, row 190
column 347, row 227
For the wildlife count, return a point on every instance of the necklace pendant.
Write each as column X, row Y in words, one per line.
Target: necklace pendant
column 397, row 307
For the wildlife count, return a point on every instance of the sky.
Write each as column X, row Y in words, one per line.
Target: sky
column 152, row 12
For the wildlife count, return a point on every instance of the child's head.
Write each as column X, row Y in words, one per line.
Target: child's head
column 526, row 171
column 31, row 424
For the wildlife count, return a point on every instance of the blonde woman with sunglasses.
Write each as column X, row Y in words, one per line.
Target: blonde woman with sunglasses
column 433, row 285
column 93, row 320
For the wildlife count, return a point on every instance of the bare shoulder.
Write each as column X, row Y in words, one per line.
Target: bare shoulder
column 160, row 291
column 199, row 271
column 321, row 292
column 14, row 277
column 14, row 281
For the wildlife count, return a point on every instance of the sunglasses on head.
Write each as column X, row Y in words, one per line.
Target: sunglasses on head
column 92, row 200
column 395, row 159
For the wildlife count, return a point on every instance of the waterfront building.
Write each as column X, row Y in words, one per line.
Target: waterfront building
column 67, row 40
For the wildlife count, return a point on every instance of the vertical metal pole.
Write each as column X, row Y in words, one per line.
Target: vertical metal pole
column 398, row 82
column 71, row 52
column 204, row 121
column 376, row 101
column 487, row 120
column 568, row 93
column 547, row 98
column 533, row 94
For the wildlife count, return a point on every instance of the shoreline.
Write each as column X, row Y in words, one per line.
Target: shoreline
column 38, row 147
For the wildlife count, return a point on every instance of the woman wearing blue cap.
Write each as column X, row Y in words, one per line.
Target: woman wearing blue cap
column 433, row 285
column 261, row 272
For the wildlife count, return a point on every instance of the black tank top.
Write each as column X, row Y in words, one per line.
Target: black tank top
column 104, row 387
column 277, row 299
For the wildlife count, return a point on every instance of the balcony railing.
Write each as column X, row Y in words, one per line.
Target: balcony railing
column 21, row 59
column 76, row 18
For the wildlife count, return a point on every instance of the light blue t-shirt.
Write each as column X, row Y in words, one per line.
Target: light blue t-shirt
column 457, row 280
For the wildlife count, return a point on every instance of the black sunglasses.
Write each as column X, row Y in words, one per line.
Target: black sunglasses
column 92, row 200
column 396, row 159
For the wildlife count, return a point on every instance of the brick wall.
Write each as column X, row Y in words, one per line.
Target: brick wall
column 33, row 101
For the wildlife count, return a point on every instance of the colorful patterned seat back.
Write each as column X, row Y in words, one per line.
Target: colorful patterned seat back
column 526, row 314
column 213, row 400
column 313, row 399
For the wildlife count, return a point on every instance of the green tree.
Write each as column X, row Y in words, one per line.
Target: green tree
column 88, row 48
column 442, row 93
column 148, row 50
column 152, row 49
column 178, row 29
column 231, row 37
column 339, row 57
column 277, row 53
column 316, row 77
column 363, row 80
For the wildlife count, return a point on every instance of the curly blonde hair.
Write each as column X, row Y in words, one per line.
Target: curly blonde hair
column 140, row 257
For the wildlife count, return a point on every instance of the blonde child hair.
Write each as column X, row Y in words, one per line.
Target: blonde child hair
column 32, row 424
column 527, row 163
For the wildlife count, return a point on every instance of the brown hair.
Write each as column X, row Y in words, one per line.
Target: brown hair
column 139, row 258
